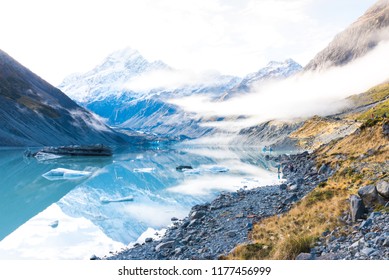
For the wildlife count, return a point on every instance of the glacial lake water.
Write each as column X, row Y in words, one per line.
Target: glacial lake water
column 120, row 201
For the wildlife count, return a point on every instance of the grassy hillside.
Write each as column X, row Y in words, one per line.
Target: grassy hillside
column 375, row 94
column 360, row 158
column 321, row 130
column 356, row 147
column 376, row 101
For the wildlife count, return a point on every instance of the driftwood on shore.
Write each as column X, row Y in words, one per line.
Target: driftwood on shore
column 75, row 150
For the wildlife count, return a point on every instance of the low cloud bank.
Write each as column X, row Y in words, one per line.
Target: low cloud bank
column 300, row 96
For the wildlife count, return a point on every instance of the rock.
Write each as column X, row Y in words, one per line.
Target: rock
column 193, row 223
column 383, row 189
column 367, row 251
column 183, row 167
column 292, row 188
column 93, row 258
column 283, row 186
column 368, row 194
column 355, row 245
column 385, row 129
column 357, row 208
column 174, row 219
column 197, row 215
column 290, row 199
column 231, row 233
column 305, row 257
column 249, row 226
column 178, row 251
column 148, row 240
column 164, row 245
column 324, row 169
column 373, row 215
column 366, row 224
column 299, row 181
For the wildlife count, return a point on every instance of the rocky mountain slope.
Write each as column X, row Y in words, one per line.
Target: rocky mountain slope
column 34, row 113
column 356, row 40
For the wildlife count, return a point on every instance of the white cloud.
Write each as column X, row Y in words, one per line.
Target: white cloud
column 302, row 95
column 56, row 38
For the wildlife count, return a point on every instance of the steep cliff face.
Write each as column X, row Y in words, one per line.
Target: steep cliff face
column 34, row 113
column 356, row 40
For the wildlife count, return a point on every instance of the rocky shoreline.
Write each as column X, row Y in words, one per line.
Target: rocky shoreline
column 213, row 229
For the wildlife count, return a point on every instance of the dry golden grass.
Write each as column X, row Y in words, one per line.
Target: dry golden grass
column 357, row 144
column 285, row 236
column 315, row 126
column 378, row 110
column 295, row 231
column 318, row 131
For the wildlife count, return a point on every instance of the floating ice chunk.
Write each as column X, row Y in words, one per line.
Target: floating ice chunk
column 65, row 174
column 218, row 169
column 45, row 156
column 213, row 169
column 106, row 200
column 54, row 224
column 192, row 171
column 143, row 170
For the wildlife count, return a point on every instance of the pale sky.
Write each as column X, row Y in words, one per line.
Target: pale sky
column 57, row 38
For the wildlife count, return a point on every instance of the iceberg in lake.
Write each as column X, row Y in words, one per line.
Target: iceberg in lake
column 46, row 156
column 218, row 169
column 143, row 170
column 213, row 169
column 106, row 200
column 65, row 174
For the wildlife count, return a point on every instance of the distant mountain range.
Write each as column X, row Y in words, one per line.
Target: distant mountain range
column 106, row 90
column 34, row 113
column 273, row 71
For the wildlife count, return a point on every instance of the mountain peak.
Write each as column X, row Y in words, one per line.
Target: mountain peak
column 108, row 77
column 274, row 70
column 278, row 64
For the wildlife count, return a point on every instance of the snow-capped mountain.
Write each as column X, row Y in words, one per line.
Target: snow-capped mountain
column 132, row 92
column 273, row 70
column 110, row 76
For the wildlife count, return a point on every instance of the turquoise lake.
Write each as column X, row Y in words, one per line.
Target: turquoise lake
column 117, row 201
